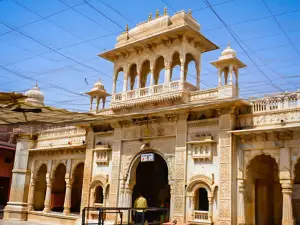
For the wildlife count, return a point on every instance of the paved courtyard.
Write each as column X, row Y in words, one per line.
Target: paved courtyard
column 2, row 222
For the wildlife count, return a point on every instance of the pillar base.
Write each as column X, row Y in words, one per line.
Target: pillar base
column 287, row 222
column 16, row 211
column 66, row 212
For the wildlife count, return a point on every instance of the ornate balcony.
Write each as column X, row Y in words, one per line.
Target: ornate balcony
column 201, row 217
column 152, row 94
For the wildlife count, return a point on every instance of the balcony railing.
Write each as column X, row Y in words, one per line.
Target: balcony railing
column 200, row 216
column 279, row 102
column 153, row 90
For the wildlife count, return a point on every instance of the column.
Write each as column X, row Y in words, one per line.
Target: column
column 241, row 203
column 182, row 73
column 114, row 86
column 219, row 77
column 230, row 73
column 125, row 83
column 210, row 209
column 287, row 209
column 167, row 76
column 31, row 194
column 198, row 76
column 151, row 81
column 192, row 207
column 16, row 208
column 67, row 203
column 47, row 203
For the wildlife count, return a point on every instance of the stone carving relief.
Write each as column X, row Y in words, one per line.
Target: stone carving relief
column 179, row 187
column 178, row 205
column 224, row 189
column 224, row 172
column 225, row 155
column 225, row 209
column 225, row 122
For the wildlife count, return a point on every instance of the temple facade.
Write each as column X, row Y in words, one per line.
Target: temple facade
column 206, row 154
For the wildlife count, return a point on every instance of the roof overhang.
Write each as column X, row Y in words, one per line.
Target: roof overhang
column 227, row 61
column 205, row 44
column 267, row 129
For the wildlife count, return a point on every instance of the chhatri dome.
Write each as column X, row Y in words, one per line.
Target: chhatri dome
column 35, row 96
column 228, row 52
column 98, row 86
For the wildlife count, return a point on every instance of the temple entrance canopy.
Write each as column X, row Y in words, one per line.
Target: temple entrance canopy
column 152, row 181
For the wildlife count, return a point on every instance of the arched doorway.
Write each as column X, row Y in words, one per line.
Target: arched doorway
column 77, row 188
column 58, row 189
column 152, row 183
column 296, row 194
column 40, row 189
column 263, row 192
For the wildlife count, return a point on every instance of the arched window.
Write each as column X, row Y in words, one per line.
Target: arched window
column 58, row 189
column 119, row 80
column 190, row 72
column 201, row 200
column 132, row 77
column 159, row 70
column 175, row 67
column 99, row 195
column 145, row 70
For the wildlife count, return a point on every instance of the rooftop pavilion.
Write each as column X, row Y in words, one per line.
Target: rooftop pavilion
column 145, row 56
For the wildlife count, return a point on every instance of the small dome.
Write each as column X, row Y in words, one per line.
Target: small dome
column 228, row 52
column 98, row 86
column 35, row 96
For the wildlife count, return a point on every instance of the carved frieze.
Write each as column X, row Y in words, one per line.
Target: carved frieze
column 203, row 123
column 202, row 149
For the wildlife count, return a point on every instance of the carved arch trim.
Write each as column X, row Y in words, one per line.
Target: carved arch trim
column 200, row 181
column 73, row 168
column 54, row 167
column 250, row 157
column 134, row 158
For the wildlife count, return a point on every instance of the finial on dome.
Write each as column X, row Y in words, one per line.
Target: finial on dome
column 157, row 14
column 165, row 11
column 228, row 45
column 127, row 28
column 36, row 84
column 150, row 17
column 190, row 12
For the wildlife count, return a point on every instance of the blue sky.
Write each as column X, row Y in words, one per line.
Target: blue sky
column 56, row 42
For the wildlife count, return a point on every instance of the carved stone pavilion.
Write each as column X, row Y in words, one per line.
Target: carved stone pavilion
column 213, row 158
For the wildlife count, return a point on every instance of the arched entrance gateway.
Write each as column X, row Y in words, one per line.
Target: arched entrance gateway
column 149, row 174
column 263, row 192
column 296, row 194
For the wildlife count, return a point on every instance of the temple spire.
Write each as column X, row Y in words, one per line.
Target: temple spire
column 165, row 11
column 150, row 17
column 157, row 14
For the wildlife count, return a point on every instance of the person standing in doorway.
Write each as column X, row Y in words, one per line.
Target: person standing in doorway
column 140, row 203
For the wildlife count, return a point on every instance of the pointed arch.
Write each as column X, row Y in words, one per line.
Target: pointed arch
column 40, row 188
column 175, row 66
column 119, row 79
column 159, row 70
column 190, row 68
column 145, row 74
column 132, row 75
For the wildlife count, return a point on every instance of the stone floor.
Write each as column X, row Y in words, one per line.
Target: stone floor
column 2, row 222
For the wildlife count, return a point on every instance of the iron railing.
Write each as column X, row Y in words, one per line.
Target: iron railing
column 123, row 215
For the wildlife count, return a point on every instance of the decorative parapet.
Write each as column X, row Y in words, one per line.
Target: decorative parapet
column 204, row 94
column 61, row 136
column 278, row 109
column 284, row 101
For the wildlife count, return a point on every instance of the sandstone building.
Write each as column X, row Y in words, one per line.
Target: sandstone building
column 218, row 159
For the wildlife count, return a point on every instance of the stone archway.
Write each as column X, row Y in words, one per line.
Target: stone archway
column 157, row 194
column 296, row 193
column 77, row 188
column 58, row 188
column 263, row 195
column 40, row 188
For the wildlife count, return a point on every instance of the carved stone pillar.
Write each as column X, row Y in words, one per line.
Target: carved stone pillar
column 192, row 208
column 125, row 83
column 230, row 73
column 210, row 209
column 31, row 194
column 47, row 203
column 167, row 75
column 241, row 203
column 219, row 77
column 198, row 76
column 287, row 209
column 16, row 208
column 114, row 87
column 67, row 203
column 182, row 73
